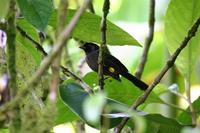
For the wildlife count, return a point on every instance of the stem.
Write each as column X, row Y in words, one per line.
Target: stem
column 148, row 41
column 62, row 11
column 169, row 64
column 188, row 92
column 175, row 106
column 11, row 50
column 105, row 10
column 82, row 83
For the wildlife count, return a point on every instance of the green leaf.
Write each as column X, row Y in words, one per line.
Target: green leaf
column 4, row 131
column 4, row 8
column 162, row 124
column 28, row 59
column 64, row 114
column 29, row 29
column 74, row 96
column 123, row 91
column 156, row 123
column 185, row 117
column 181, row 15
column 88, row 30
column 37, row 12
column 32, row 52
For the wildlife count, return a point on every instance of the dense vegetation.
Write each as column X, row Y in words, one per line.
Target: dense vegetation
column 45, row 82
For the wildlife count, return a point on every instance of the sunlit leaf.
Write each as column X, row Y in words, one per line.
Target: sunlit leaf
column 158, row 123
column 74, row 96
column 185, row 117
column 28, row 29
column 123, row 91
column 88, row 30
column 4, row 8
column 180, row 16
column 37, row 12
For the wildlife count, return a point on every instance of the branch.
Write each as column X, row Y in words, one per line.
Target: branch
column 15, row 120
column 37, row 45
column 47, row 61
column 148, row 41
column 62, row 11
column 106, row 8
column 169, row 64
column 82, row 83
column 11, row 33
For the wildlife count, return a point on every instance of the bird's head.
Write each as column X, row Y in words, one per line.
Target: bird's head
column 89, row 47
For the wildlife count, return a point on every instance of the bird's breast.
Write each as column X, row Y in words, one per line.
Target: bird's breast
column 92, row 61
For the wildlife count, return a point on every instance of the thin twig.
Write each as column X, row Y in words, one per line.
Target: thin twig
column 169, row 64
column 82, row 83
column 48, row 60
column 37, row 45
column 148, row 41
column 106, row 7
column 188, row 90
column 175, row 106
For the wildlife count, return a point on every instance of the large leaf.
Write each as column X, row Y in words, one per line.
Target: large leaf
column 162, row 124
column 181, row 14
column 88, row 30
column 4, row 8
column 29, row 50
column 123, row 91
column 185, row 117
column 74, row 96
column 28, row 29
column 64, row 114
column 37, row 12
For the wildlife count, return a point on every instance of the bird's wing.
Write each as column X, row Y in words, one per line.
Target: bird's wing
column 114, row 64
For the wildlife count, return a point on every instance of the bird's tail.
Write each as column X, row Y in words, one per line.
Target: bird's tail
column 140, row 84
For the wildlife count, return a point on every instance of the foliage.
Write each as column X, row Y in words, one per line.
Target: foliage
column 36, row 26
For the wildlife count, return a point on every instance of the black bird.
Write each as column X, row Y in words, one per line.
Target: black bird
column 112, row 66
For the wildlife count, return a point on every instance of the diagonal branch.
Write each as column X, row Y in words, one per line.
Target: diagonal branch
column 169, row 64
column 62, row 12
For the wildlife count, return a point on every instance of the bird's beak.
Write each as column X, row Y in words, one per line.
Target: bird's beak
column 81, row 47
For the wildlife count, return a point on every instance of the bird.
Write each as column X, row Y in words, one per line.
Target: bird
column 111, row 65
